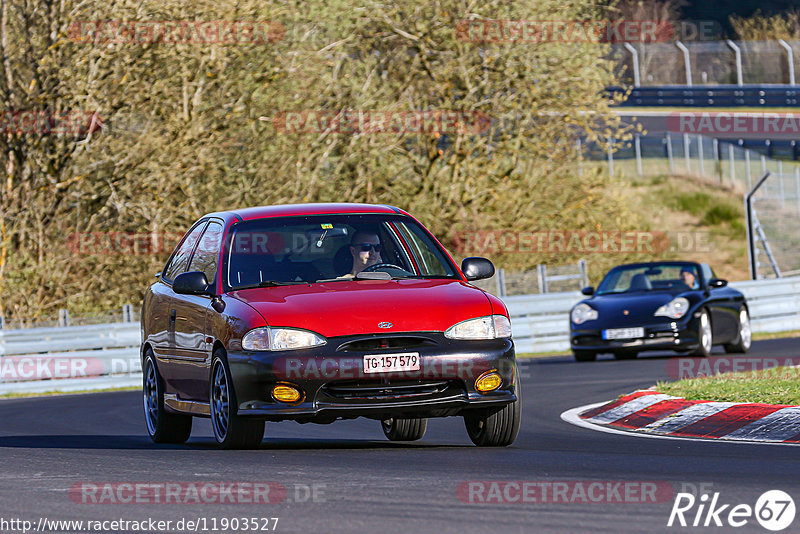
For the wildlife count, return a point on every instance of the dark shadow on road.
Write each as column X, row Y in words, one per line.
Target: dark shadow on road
column 142, row 442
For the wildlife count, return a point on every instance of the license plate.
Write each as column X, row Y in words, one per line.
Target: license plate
column 623, row 333
column 385, row 363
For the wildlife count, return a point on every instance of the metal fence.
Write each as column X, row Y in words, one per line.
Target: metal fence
column 709, row 62
column 70, row 358
column 126, row 314
column 715, row 161
column 544, row 279
column 774, row 227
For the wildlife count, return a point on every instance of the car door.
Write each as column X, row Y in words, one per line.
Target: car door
column 724, row 312
column 165, row 306
column 192, row 354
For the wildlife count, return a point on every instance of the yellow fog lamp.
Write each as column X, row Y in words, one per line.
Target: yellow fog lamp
column 286, row 393
column 488, row 381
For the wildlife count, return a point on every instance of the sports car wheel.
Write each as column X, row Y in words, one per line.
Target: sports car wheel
column 495, row 427
column 704, row 336
column 584, row 355
column 162, row 426
column 404, row 429
column 230, row 430
column 744, row 340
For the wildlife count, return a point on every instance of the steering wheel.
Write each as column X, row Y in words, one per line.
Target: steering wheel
column 373, row 268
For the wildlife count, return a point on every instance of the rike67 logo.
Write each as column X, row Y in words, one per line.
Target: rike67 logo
column 774, row 510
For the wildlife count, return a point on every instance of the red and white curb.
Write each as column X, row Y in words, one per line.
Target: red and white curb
column 649, row 413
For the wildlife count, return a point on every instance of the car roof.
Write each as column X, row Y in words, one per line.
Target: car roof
column 295, row 210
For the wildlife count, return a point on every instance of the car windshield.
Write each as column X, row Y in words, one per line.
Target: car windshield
column 673, row 277
column 288, row 250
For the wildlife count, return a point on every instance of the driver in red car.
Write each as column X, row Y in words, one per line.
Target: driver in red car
column 365, row 248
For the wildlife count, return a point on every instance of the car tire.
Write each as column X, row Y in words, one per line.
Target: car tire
column 584, row 355
column 745, row 337
column 626, row 355
column 397, row 429
column 704, row 336
column 496, row 427
column 231, row 430
column 162, row 426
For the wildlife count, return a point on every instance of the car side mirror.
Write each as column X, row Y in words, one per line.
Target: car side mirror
column 191, row 283
column 475, row 268
column 588, row 291
column 717, row 282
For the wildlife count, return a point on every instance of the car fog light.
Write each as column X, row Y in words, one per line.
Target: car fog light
column 286, row 393
column 488, row 381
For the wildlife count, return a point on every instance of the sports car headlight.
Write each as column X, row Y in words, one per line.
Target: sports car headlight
column 266, row 338
column 582, row 313
column 489, row 327
column 674, row 309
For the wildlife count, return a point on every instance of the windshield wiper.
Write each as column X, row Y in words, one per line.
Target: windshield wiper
column 271, row 283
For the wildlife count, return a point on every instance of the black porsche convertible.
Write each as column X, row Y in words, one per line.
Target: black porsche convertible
column 673, row 305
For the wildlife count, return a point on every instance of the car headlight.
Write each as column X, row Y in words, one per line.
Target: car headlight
column 489, row 327
column 674, row 309
column 266, row 338
column 582, row 313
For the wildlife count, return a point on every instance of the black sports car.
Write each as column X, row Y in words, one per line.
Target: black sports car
column 672, row 305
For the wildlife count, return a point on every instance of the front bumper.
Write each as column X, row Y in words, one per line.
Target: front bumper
column 336, row 386
column 679, row 336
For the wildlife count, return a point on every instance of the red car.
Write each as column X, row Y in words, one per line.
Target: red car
column 320, row 312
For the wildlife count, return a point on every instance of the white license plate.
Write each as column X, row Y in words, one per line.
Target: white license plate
column 623, row 333
column 386, row 363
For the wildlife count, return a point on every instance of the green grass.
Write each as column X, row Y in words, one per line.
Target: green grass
column 780, row 385
column 695, row 203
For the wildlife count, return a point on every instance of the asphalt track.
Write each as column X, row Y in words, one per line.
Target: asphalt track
column 368, row 484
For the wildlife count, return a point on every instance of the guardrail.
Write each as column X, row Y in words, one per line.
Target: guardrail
column 540, row 323
column 105, row 356
column 75, row 358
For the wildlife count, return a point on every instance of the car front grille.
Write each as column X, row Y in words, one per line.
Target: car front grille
column 387, row 342
column 389, row 390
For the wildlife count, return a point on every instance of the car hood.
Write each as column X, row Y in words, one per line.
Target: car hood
column 357, row 307
column 640, row 306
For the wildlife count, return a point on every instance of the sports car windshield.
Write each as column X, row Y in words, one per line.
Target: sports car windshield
column 650, row 277
column 296, row 250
